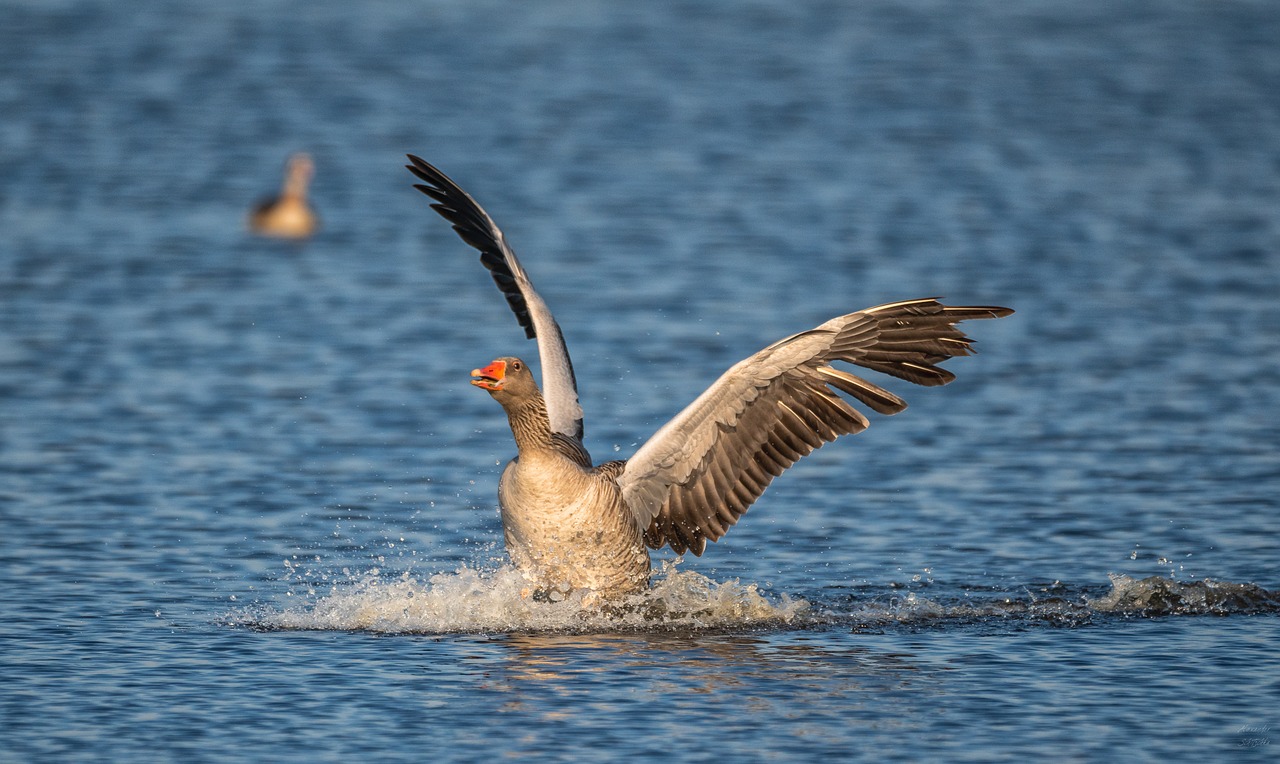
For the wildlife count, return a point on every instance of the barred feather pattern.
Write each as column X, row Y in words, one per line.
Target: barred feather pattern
column 701, row 472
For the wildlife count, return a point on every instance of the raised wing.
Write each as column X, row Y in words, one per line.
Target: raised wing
column 701, row 471
column 476, row 228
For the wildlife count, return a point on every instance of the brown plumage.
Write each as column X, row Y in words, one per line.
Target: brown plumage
column 289, row 215
column 570, row 525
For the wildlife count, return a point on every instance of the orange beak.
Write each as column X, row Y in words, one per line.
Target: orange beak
column 490, row 377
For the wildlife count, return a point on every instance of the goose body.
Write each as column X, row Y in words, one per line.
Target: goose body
column 289, row 215
column 569, row 524
column 565, row 522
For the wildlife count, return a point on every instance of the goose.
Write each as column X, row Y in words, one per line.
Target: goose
column 569, row 524
column 288, row 216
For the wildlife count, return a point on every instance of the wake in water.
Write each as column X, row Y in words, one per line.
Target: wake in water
column 1062, row 605
column 1163, row 596
column 496, row 601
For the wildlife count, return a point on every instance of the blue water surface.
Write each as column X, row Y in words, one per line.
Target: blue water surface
column 248, row 499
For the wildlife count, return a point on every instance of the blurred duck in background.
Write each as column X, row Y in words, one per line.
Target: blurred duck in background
column 288, row 215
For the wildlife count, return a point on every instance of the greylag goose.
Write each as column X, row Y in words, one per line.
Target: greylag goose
column 570, row 525
column 288, row 216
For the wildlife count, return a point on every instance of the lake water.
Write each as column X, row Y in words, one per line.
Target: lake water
column 248, row 499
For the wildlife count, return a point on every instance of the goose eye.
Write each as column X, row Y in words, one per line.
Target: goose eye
column 517, row 366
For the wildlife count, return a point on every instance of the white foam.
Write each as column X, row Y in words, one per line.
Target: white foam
column 472, row 600
column 497, row 600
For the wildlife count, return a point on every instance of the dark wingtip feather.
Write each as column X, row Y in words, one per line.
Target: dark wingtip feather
column 420, row 168
column 473, row 225
column 963, row 312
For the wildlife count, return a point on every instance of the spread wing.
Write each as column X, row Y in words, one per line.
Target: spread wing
column 476, row 228
column 701, row 471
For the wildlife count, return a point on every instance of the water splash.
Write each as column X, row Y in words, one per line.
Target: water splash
column 1162, row 596
column 479, row 601
column 472, row 600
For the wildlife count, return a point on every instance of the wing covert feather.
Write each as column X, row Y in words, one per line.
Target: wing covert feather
column 702, row 470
